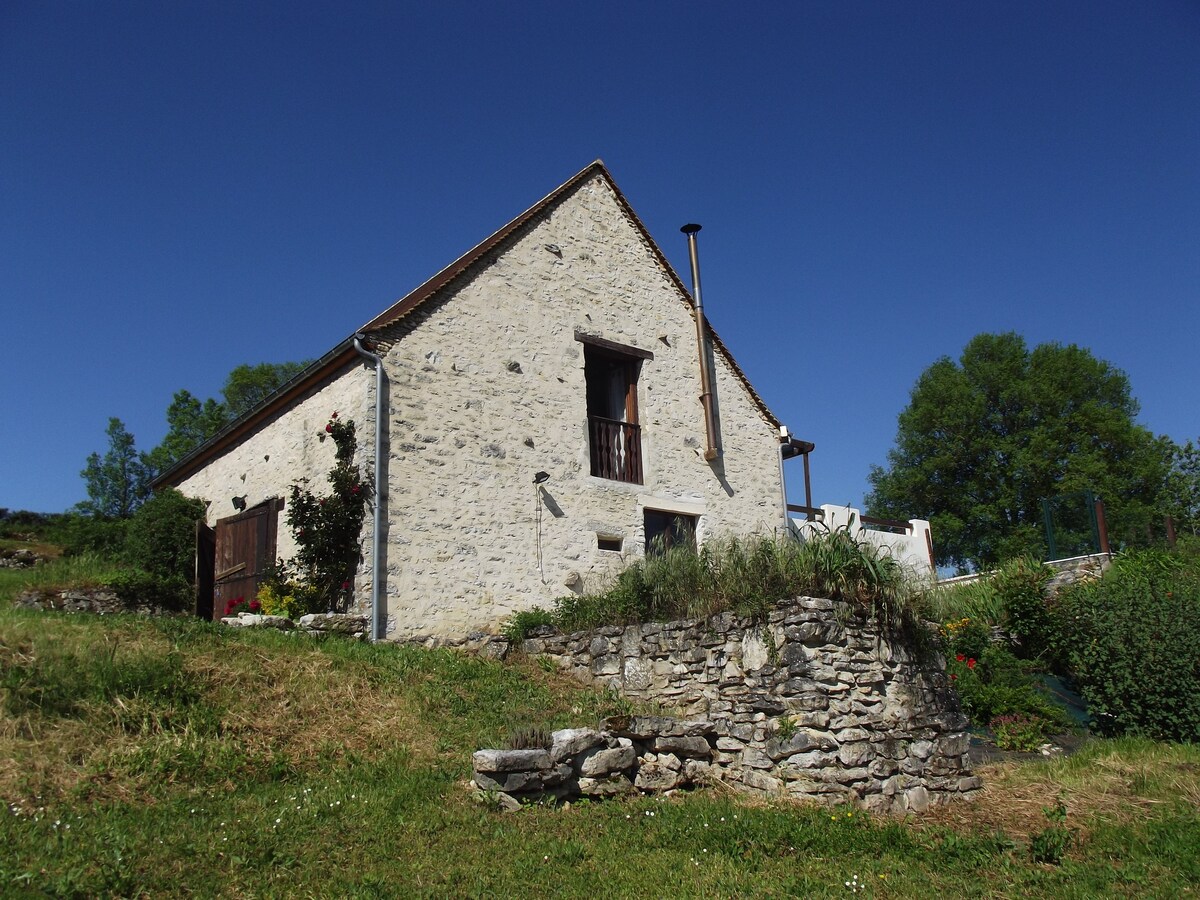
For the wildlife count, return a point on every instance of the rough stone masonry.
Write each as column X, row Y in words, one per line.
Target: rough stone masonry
column 815, row 703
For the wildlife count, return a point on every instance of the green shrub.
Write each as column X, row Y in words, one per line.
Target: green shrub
column 992, row 682
column 1051, row 844
column 519, row 625
column 1031, row 617
column 1017, row 731
column 1134, row 646
column 138, row 588
column 95, row 535
column 161, row 536
column 977, row 601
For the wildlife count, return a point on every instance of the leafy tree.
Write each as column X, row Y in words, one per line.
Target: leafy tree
column 191, row 422
column 1181, row 496
column 247, row 386
column 984, row 439
column 119, row 481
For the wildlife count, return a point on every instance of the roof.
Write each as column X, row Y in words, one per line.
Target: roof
column 344, row 353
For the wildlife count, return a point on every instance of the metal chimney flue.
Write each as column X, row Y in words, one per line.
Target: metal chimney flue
column 713, row 448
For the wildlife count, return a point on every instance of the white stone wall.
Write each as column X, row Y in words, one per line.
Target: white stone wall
column 487, row 388
column 287, row 448
column 911, row 548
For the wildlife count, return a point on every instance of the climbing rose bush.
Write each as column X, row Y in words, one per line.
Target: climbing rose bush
column 327, row 528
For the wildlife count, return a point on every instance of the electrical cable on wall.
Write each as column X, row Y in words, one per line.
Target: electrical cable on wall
column 538, row 480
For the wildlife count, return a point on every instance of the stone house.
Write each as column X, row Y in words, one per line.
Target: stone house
column 542, row 422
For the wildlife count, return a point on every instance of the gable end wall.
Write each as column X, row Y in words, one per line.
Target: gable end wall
column 487, row 388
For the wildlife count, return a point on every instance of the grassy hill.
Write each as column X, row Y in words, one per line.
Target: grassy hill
column 155, row 757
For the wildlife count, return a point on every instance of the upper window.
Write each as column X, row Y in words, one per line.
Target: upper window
column 614, row 437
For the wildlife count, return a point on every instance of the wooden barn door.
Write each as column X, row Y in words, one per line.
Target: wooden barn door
column 206, row 557
column 245, row 546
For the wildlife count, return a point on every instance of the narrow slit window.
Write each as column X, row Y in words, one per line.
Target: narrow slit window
column 612, row 544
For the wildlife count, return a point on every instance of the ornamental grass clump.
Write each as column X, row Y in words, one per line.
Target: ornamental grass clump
column 746, row 576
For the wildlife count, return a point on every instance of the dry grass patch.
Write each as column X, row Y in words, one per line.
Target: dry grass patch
column 1122, row 782
column 307, row 705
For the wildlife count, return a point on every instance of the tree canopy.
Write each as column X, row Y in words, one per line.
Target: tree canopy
column 985, row 438
column 119, row 482
column 1181, row 496
column 191, row 422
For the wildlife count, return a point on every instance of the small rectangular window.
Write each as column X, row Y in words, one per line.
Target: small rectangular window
column 668, row 530
column 608, row 543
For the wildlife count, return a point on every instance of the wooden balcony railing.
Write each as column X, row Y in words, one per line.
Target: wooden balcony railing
column 616, row 449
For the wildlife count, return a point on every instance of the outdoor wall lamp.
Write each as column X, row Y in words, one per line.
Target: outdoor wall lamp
column 541, row 477
column 239, row 503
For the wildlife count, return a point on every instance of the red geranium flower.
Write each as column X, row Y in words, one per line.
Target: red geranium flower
column 953, row 677
column 970, row 663
column 960, row 657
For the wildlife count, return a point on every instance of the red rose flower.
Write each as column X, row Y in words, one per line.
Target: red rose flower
column 953, row 677
column 970, row 663
column 960, row 657
column 334, row 416
column 329, row 428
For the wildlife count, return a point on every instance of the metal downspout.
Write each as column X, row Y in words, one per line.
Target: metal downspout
column 713, row 450
column 378, row 622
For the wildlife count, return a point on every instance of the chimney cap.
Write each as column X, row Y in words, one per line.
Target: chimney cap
column 690, row 228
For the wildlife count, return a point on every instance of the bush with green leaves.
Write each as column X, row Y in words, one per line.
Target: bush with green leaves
column 1031, row 617
column 137, row 588
column 1134, row 645
column 996, row 683
column 161, row 536
column 326, row 528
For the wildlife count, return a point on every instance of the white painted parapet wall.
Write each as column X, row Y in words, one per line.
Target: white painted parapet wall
column 913, row 547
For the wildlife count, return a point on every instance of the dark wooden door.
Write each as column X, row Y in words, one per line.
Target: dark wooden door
column 245, row 546
column 206, row 550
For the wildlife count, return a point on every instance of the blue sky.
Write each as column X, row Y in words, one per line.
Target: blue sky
column 189, row 186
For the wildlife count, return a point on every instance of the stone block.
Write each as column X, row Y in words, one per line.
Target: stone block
column 571, row 741
column 761, row 782
column 510, row 760
column 600, row 763
column 692, row 747
column 606, row 665
column 609, row 786
column 916, row 799
column 509, row 782
column 657, row 777
column 638, row 674
column 856, row 754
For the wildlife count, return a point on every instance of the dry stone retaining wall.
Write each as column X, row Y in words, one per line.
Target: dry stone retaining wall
column 815, row 702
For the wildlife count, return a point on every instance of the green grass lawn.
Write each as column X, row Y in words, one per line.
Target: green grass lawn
column 166, row 757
